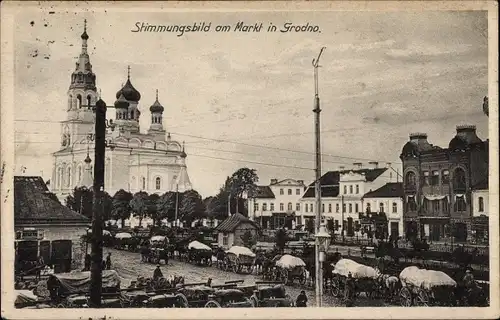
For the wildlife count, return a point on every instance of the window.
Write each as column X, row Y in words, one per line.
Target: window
column 368, row 207
column 411, row 204
column 481, row 204
column 282, row 207
column 256, row 207
column 79, row 174
column 381, row 207
column 88, row 101
column 460, row 204
column 297, row 192
column 289, row 192
column 350, row 189
column 290, row 205
column 68, row 183
column 446, row 177
column 330, row 207
column 435, row 178
column 459, row 179
column 307, row 208
column 337, row 208
column 345, row 189
column 356, row 206
column 264, row 207
column 350, row 207
column 411, row 179
column 132, row 115
column 282, row 192
column 297, row 207
column 271, row 206
column 435, row 205
column 426, row 178
column 311, row 207
column 143, row 183
column 158, row 183
column 323, row 208
column 394, row 207
column 344, row 206
column 79, row 101
column 225, row 239
column 357, row 189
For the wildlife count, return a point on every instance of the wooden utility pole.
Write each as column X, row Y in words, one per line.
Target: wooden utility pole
column 317, row 184
column 100, row 148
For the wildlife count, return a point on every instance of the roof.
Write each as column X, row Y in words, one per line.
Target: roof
column 330, row 181
column 263, row 192
column 35, row 204
column 389, row 190
column 230, row 224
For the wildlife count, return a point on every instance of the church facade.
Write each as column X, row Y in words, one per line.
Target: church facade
column 135, row 161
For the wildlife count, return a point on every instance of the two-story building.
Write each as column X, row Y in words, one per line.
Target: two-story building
column 342, row 193
column 389, row 200
column 480, row 212
column 438, row 184
column 276, row 205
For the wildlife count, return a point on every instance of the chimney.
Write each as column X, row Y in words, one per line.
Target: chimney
column 357, row 165
column 374, row 164
column 418, row 137
column 300, row 181
column 274, row 181
column 468, row 133
column 388, row 164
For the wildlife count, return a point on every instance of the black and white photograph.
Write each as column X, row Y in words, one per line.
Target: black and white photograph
column 160, row 156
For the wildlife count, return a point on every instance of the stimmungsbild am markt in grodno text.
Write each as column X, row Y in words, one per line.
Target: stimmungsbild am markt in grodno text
column 237, row 27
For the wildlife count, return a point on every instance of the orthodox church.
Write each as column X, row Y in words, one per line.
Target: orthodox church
column 135, row 161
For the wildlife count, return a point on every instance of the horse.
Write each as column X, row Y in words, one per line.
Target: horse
column 145, row 251
column 259, row 262
column 389, row 285
column 220, row 255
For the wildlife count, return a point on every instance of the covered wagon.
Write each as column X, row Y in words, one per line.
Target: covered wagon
column 289, row 268
column 199, row 253
column 356, row 277
column 239, row 258
column 422, row 287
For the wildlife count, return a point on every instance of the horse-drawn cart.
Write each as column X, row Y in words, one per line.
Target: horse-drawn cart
column 422, row 287
column 290, row 268
column 228, row 298
column 156, row 251
column 238, row 258
column 200, row 253
column 356, row 277
column 122, row 239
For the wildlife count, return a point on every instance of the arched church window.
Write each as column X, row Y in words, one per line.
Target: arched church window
column 459, row 179
column 78, row 101
column 89, row 101
column 158, row 183
column 132, row 114
column 70, row 102
column 143, row 183
column 68, row 183
column 410, row 180
column 79, row 174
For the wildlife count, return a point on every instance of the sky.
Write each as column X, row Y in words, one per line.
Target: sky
column 246, row 99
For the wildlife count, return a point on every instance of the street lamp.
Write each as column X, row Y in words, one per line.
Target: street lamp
column 87, row 240
column 322, row 243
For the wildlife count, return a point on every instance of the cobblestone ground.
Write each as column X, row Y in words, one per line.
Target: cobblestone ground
column 129, row 266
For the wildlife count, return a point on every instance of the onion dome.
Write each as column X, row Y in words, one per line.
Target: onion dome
column 88, row 160
column 156, row 106
column 85, row 36
column 409, row 149
column 457, row 143
column 183, row 154
column 121, row 102
column 100, row 103
column 129, row 92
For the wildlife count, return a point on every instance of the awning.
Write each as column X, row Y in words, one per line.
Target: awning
column 461, row 196
column 435, row 197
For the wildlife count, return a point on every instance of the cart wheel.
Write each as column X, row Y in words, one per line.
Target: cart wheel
column 284, row 276
column 161, row 283
column 254, row 301
column 212, row 304
column 236, row 266
column 61, row 305
column 156, row 260
column 183, row 301
column 422, row 299
column 405, row 298
column 249, row 303
column 302, row 279
column 226, row 265
column 335, row 287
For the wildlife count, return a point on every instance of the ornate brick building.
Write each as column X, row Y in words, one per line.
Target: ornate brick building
column 438, row 184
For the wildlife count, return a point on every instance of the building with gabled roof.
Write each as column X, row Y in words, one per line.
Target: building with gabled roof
column 44, row 227
column 389, row 200
column 276, row 205
column 231, row 230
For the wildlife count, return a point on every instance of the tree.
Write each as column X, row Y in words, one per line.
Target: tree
column 166, row 207
column 153, row 200
column 81, row 201
column 121, row 206
column 281, row 239
column 249, row 239
column 107, row 207
column 140, row 205
column 191, row 207
column 242, row 182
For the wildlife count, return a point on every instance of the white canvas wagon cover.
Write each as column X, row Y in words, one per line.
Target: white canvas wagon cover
column 198, row 245
column 237, row 250
column 158, row 239
column 424, row 278
column 289, row 261
column 344, row 266
column 123, row 235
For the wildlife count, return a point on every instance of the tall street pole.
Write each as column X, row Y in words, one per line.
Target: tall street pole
column 176, row 203
column 317, row 184
column 100, row 148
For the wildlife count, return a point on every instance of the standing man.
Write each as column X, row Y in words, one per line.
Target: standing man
column 108, row 261
column 301, row 299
